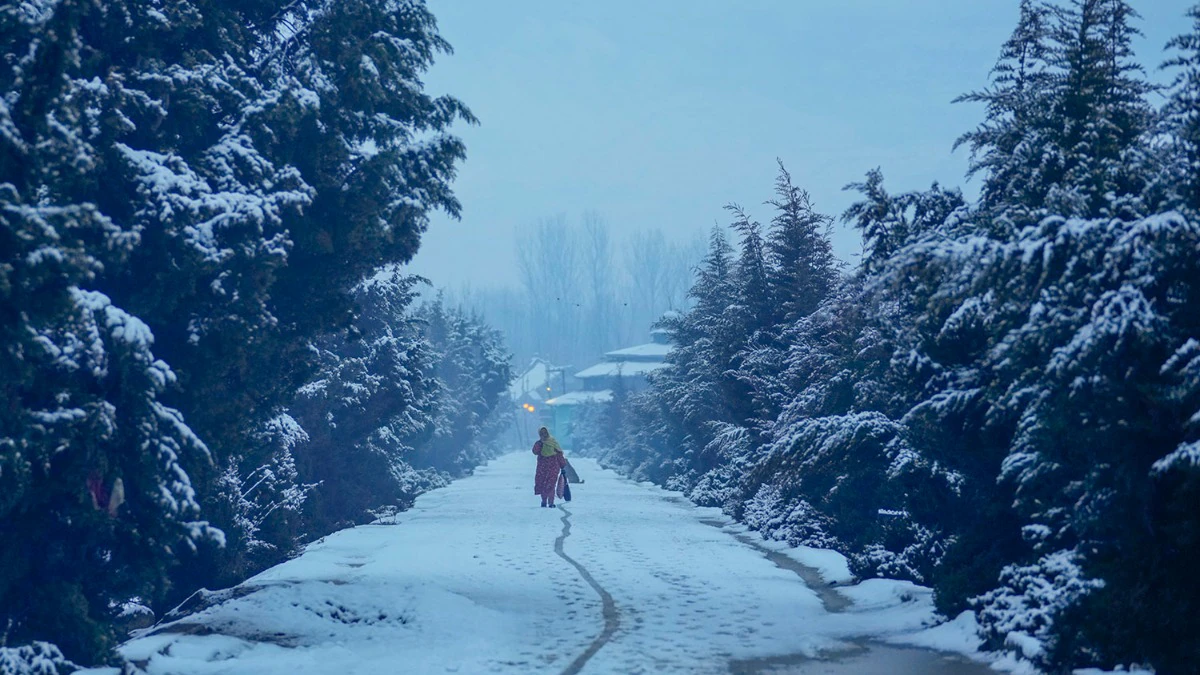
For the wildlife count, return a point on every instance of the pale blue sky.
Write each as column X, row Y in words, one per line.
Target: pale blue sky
column 659, row 112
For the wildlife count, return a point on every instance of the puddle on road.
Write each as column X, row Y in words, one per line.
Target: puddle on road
column 866, row 658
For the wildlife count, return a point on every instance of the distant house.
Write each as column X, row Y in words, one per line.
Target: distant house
column 531, row 391
column 533, row 386
column 629, row 366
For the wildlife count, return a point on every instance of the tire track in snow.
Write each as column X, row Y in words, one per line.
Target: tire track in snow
column 612, row 619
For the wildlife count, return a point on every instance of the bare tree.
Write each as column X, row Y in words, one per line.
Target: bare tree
column 582, row 293
column 548, row 264
column 599, row 274
column 646, row 264
column 681, row 265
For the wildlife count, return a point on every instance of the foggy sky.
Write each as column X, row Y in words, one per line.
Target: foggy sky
column 657, row 113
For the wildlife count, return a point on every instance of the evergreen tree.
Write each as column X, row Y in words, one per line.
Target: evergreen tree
column 266, row 497
column 1065, row 113
column 218, row 176
column 672, row 420
column 1082, row 381
column 1007, row 147
column 97, row 500
column 473, row 373
column 1099, row 108
column 801, row 272
column 754, row 300
column 879, row 219
column 369, row 409
column 789, row 486
column 889, row 222
column 753, row 312
column 704, row 339
column 802, row 267
column 713, row 291
column 407, row 399
column 1182, row 111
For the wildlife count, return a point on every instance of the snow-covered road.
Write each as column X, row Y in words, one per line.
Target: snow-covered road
column 477, row 578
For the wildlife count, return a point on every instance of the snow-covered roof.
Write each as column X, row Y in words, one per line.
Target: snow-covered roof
column 577, row 397
column 650, row 350
column 621, row 368
column 532, row 381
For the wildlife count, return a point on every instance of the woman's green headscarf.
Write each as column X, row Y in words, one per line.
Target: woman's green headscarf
column 550, row 446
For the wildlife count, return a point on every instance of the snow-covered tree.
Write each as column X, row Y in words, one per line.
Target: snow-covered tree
column 879, row 218
column 473, row 371
column 1111, row 333
column 406, row 399
column 1182, row 111
column 368, row 409
column 97, row 497
column 888, row 222
column 802, row 267
column 671, row 421
column 1099, row 108
column 1066, row 112
column 37, row 658
column 755, row 304
column 211, row 179
column 261, row 500
column 1007, row 146
column 801, row 272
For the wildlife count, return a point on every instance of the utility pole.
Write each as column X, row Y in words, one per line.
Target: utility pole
column 562, row 375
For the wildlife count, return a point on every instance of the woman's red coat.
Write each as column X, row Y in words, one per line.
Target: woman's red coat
column 547, row 472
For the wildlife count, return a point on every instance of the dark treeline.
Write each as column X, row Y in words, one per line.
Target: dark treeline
column 584, row 291
column 1003, row 401
column 208, row 353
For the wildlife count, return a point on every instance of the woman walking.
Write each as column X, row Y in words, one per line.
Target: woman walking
column 550, row 461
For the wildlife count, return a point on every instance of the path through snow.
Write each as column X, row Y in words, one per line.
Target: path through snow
column 476, row 578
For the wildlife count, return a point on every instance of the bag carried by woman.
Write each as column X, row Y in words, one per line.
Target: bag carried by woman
column 563, row 489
